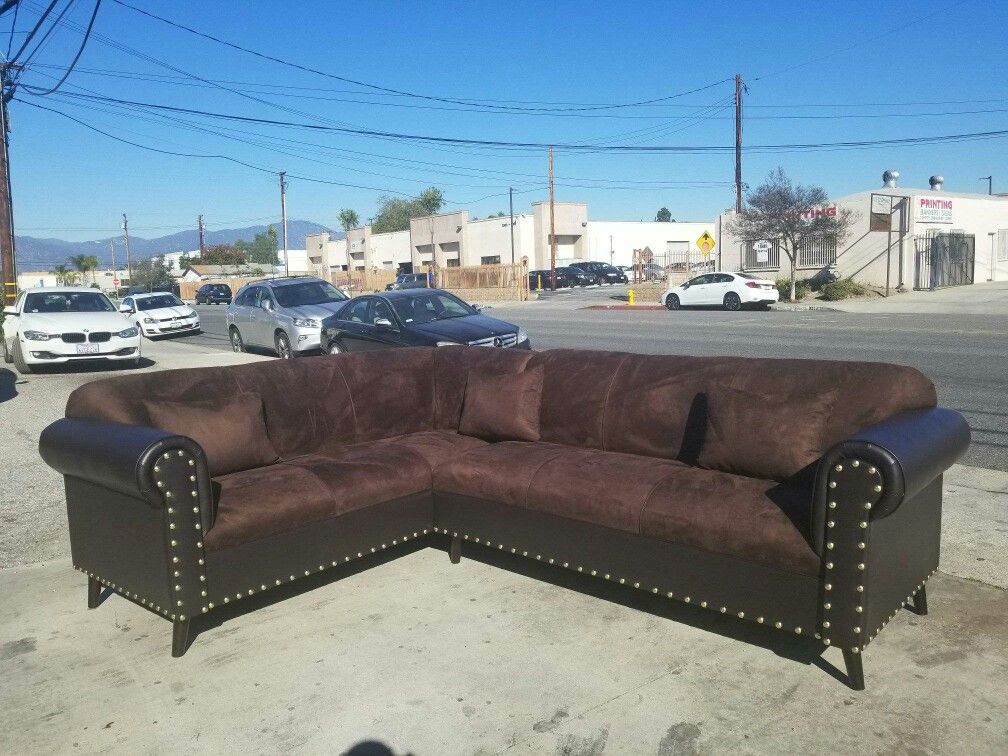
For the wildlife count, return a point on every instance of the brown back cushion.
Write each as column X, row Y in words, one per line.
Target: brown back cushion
column 231, row 430
column 787, row 438
column 451, row 373
column 502, row 406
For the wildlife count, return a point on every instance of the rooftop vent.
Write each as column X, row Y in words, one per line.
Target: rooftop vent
column 936, row 183
column 889, row 179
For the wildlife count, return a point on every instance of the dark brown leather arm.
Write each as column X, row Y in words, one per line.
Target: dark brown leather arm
column 909, row 451
column 119, row 457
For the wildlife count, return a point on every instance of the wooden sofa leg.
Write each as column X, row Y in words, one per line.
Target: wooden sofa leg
column 455, row 550
column 855, row 672
column 180, row 637
column 920, row 601
column 94, row 589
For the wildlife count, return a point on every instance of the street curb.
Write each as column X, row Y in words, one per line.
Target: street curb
column 806, row 308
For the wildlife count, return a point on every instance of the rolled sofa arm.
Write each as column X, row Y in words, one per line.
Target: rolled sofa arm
column 909, row 450
column 112, row 455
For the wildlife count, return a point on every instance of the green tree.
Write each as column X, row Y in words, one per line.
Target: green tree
column 223, row 254
column 262, row 249
column 779, row 209
column 348, row 219
column 65, row 276
column 150, row 273
column 664, row 215
column 84, row 264
column 185, row 261
column 394, row 213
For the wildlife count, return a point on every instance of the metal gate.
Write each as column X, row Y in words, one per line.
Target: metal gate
column 676, row 263
column 944, row 259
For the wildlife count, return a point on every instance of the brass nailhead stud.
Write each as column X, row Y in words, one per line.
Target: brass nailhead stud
column 878, row 488
column 703, row 604
column 838, row 468
column 861, row 566
column 871, row 470
column 867, row 505
column 723, row 609
column 861, row 545
column 157, row 469
column 863, row 524
column 741, row 615
column 860, row 589
column 200, row 561
column 827, row 605
column 858, row 609
column 760, row 620
column 797, row 630
column 832, row 484
column 825, row 623
column 174, row 560
column 687, row 599
column 855, row 463
column 828, row 586
column 829, row 565
column 829, row 544
column 826, row 641
column 832, row 505
column 171, row 510
column 778, row 625
column 830, row 524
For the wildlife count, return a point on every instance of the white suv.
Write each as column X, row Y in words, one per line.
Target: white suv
column 64, row 324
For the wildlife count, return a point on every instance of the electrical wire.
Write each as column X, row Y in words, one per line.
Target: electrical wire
column 31, row 34
column 390, row 90
column 80, row 51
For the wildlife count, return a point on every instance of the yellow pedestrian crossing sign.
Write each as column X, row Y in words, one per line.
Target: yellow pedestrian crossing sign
column 705, row 243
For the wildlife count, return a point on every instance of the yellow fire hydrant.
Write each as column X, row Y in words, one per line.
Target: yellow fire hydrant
column 630, row 297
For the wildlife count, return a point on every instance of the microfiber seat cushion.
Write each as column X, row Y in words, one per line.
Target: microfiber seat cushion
column 754, row 520
column 333, row 480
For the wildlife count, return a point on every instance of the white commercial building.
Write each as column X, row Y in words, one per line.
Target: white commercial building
column 454, row 239
column 914, row 238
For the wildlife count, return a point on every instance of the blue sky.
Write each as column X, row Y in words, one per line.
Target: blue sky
column 798, row 59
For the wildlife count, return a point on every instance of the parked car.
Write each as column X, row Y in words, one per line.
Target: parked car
column 652, row 272
column 733, row 291
column 602, row 273
column 566, row 278
column 409, row 281
column 213, row 294
column 160, row 314
column 415, row 318
column 63, row 324
column 282, row 314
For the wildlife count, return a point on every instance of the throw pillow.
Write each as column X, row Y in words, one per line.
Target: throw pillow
column 770, row 437
column 502, row 407
column 232, row 432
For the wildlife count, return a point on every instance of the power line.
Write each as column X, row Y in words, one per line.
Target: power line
column 38, row 25
column 574, row 147
column 80, row 51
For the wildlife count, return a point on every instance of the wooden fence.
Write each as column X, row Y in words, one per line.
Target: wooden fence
column 187, row 289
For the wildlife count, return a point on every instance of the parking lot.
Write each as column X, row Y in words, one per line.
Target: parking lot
column 516, row 660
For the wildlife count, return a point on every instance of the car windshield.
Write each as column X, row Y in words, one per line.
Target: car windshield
column 156, row 303
column 307, row 293
column 68, row 301
column 430, row 306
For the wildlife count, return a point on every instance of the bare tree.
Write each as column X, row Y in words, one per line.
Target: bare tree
column 791, row 213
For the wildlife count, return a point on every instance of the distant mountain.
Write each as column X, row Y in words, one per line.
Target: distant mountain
column 42, row 254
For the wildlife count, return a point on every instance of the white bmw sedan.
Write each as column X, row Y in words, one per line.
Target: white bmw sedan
column 160, row 313
column 732, row 291
column 66, row 324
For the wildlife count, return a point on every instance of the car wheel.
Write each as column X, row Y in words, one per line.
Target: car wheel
column 672, row 302
column 6, row 354
column 732, row 302
column 334, row 348
column 283, row 347
column 18, row 358
column 237, row 345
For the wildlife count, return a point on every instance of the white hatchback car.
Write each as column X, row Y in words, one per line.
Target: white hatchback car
column 66, row 324
column 733, row 291
column 160, row 313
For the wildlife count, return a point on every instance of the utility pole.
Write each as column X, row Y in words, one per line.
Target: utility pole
column 990, row 183
column 129, row 263
column 283, row 214
column 111, row 243
column 552, row 225
column 511, row 207
column 8, row 262
column 738, row 143
column 202, row 230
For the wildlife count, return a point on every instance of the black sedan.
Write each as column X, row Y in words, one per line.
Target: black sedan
column 601, row 273
column 213, row 294
column 566, row 278
column 415, row 317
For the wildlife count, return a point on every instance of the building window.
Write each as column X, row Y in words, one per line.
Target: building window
column 817, row 252
column 452, row 262
column 490, row 260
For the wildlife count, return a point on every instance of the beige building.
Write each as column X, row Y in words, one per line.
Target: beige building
column 454, row 239
column 917, row 238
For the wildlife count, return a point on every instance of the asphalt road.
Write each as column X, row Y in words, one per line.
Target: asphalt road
column 965, row 355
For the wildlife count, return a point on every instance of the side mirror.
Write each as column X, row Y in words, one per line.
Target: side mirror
column 384, row 323
column 125, row 308
column 11, row 310
column 477, row 307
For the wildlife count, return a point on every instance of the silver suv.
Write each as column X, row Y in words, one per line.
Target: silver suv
column 282, row 314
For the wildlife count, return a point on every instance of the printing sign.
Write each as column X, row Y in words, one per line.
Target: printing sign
column 933, row 209
column 762, row 250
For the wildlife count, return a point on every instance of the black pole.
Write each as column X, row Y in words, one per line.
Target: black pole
column 511, row 205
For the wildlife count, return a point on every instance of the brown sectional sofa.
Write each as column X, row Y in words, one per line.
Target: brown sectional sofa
column 801, row 495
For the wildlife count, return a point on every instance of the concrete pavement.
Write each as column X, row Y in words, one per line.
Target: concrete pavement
column 429, row 657
column 986, row 298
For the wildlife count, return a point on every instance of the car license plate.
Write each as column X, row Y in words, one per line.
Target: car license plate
column 87, row 349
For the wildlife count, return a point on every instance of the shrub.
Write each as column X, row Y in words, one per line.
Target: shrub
column 842, row 289
column 802, row 289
